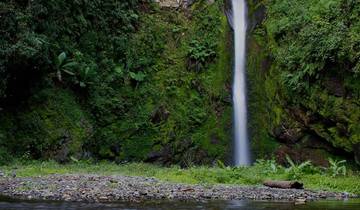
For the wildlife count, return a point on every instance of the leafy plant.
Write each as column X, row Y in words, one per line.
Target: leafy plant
column 200, row 52
column 81, row 71
column 295, row 171
column 221, row 164
column 85, row 76
column 107, row 47
column 337, row 167
column 62, row 64
column 268, row 166
column 137, row 76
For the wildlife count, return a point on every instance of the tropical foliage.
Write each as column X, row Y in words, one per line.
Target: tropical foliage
column 308, row 89
column 120, row 71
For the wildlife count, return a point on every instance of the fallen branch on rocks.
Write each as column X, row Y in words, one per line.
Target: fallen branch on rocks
column 284, row 184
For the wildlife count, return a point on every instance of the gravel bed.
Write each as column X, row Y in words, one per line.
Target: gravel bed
column 94, row 188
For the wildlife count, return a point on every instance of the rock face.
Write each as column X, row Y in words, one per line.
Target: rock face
column 306, row 125
column 172, row 3
column 132, row 119
column 177, row 3
column 54, row 126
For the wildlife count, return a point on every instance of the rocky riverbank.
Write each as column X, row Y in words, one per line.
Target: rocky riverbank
column 93, row 188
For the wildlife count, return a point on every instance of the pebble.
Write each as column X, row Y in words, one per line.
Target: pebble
column 93, row 188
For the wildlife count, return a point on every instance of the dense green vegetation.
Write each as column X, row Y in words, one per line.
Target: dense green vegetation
column 130, row 81
column 313, row 177
column 304, row 78
column 118, row 80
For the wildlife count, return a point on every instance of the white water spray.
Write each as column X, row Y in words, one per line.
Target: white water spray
column 241, row 150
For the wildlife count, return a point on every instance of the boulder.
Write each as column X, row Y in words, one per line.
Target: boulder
column 177, row 3
column 170, row 3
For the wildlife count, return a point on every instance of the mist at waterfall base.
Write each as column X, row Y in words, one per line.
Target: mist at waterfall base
column 241, row 140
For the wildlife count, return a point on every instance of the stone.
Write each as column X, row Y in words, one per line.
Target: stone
column 72, row 188
column 176, row 3
column 169, row 3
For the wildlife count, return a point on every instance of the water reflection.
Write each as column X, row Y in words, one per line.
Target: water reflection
column 172, row 205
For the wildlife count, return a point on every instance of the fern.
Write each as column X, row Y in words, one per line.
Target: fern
column 268, row 166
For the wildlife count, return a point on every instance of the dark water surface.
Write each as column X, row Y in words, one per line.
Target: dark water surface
column 177, row 205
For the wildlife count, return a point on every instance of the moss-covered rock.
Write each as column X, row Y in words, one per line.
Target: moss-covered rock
column 296, row 91
column 52, row 126
column 180, row 111
column 154, row 80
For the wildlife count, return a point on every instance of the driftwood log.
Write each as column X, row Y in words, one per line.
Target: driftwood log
column 284, row 184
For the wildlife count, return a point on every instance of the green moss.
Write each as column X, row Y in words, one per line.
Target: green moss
column 52, row 125
column 265, row 110
column 341, row 114
column 175, row 106
column 297, row 83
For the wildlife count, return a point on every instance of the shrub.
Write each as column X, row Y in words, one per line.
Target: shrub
column 268, row 166
column 200, row 53
column 295, row 171
column 5, row 156
column 337, row 167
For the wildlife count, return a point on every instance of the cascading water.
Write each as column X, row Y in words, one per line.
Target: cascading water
column 241, row 144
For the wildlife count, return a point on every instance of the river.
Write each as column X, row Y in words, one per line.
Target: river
column 182, row 205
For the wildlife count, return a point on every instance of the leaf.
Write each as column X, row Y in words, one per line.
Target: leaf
column 70, row 64
column 342, row 161
column 138, row 76
column 220, row 164
column 292, row 164
column 87, row 69
column 61, row 58
column 82, row 84
column 304, row 164
column 119, row 70
column 133, row 15
column 74, row 159
column 69, row 72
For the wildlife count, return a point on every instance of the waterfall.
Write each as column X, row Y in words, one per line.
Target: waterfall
column 241, row 141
